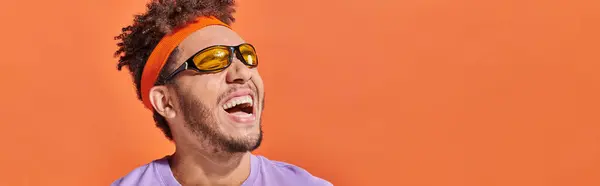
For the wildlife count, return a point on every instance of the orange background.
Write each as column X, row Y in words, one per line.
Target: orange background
column 362, row 93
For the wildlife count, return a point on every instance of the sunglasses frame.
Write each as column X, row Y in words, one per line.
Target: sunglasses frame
column 233, row 51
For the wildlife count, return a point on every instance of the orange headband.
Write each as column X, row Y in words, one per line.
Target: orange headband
column 160, row 54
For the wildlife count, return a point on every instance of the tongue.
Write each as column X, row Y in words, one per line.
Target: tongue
column 239, row 113
column 236, row 111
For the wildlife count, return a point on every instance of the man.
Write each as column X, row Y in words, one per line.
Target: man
column 200, row 80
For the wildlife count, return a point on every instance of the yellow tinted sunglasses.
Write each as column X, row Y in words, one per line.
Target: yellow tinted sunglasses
column 218, row 57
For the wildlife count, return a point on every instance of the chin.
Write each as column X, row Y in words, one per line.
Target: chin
column 249, row 134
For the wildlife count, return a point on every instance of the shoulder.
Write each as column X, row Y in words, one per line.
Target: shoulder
column 147, row 174
column 287, row 172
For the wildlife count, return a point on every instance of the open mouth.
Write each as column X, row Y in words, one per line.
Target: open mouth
column 242, row 106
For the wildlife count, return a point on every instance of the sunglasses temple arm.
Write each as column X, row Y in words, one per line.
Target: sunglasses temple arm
column 183, row 67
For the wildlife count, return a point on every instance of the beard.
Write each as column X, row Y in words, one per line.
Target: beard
column 203, row 124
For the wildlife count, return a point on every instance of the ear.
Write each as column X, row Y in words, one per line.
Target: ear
column 162, row 101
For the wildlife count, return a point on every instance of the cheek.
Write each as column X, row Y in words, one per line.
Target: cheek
column 258, row 82
column 208, row 90
column 212, row 86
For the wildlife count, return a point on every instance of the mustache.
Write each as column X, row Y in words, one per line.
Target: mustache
column 233, row 89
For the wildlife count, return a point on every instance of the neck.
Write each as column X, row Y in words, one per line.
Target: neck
column 195, row 167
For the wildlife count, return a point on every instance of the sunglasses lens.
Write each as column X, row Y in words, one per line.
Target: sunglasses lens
column 249, row 54
column 212, row 59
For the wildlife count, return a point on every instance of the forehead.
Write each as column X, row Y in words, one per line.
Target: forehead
column 205, row 37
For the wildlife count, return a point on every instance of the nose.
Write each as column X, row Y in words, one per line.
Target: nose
column 238, row 72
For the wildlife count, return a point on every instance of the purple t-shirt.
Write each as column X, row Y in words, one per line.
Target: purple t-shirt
column 263, row 172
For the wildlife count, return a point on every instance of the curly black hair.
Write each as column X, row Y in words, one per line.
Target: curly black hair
column 162, row 17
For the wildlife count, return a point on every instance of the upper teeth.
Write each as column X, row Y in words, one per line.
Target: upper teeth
column 238, row 101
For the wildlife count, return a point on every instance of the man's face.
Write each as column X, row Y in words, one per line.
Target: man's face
column 206, row 102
